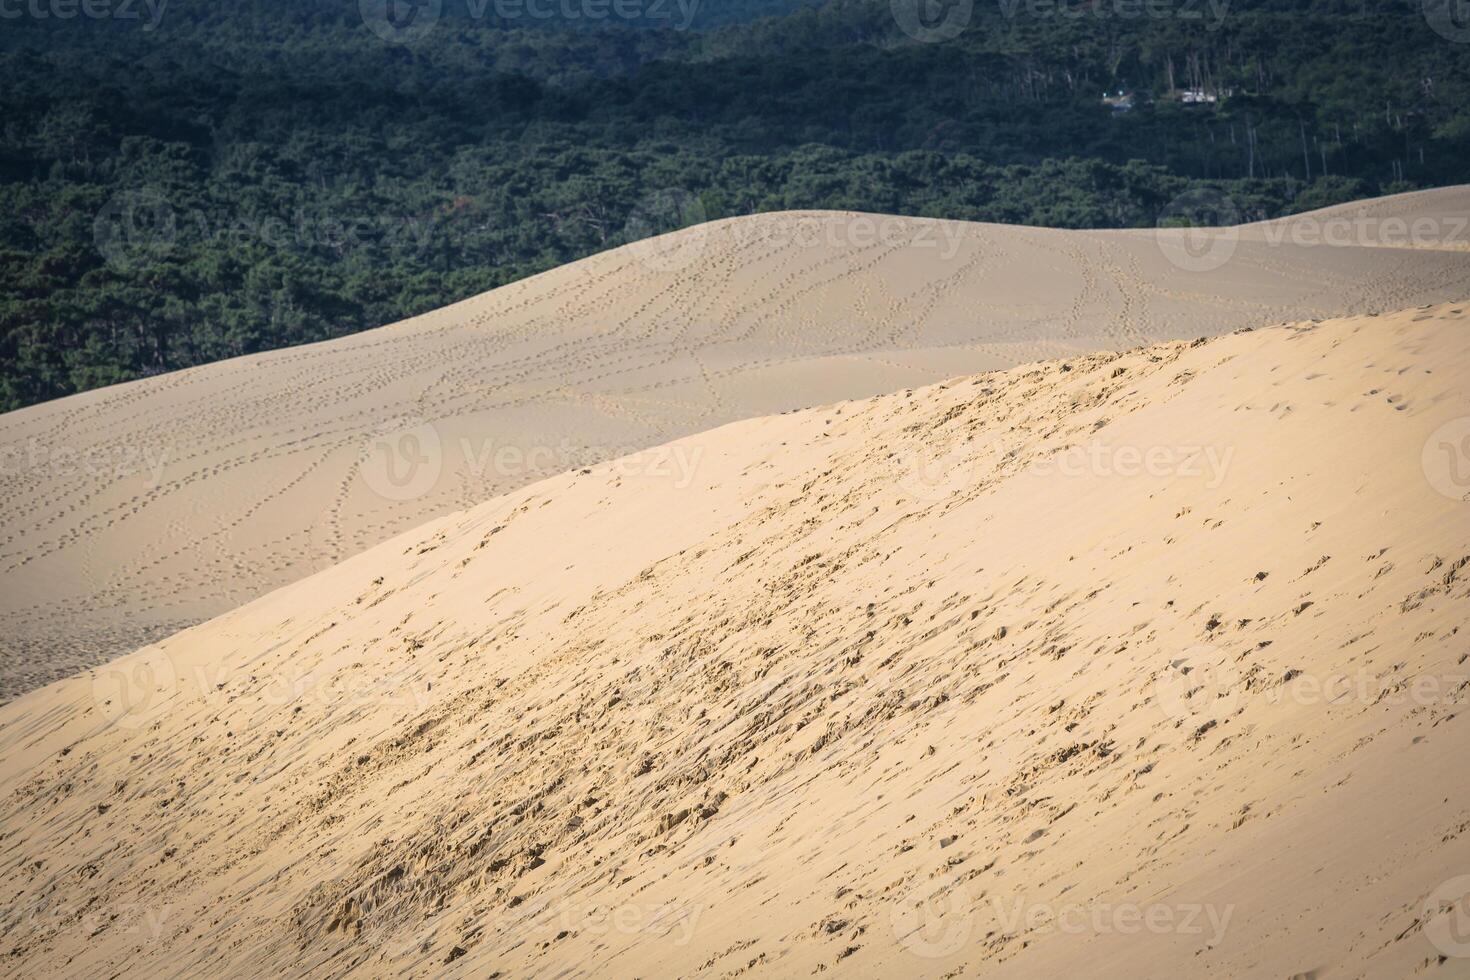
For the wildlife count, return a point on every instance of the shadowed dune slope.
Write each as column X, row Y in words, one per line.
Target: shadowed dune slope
column 937, row 683
column 130, row 512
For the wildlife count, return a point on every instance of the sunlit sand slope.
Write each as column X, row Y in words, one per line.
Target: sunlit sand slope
column 1121, row 665
column 130, row 512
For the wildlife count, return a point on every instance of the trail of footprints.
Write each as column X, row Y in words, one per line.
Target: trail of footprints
column 792, row 761
column 656, row 353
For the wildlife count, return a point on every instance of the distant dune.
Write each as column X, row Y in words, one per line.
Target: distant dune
column 133, row 511
column 1419, row 219
column 1118, row 665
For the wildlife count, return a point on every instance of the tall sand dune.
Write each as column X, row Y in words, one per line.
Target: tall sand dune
column 1117, row 665
column 133, row 511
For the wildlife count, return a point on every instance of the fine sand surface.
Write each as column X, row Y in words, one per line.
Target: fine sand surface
column 1123, row 665
column 131, row 512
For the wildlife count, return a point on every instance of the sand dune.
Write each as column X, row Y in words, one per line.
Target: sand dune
column 133, row 511
column 1438, row 219
column 1140, row 664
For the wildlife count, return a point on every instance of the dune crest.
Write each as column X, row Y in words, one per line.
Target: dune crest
column 1148, row 663
column 133, row 511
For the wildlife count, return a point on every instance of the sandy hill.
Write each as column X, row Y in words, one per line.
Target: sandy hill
column 130, row 512
column 1434, row 219
column 1139, row 664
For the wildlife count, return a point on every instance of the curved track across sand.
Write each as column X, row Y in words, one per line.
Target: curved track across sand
column 129, row 512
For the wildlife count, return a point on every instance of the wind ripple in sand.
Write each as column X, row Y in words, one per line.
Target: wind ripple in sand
column 941, row 683
column 131, row 512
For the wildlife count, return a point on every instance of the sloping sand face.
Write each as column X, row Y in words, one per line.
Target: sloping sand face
column 1432, row 219
column 1140, row 664
column 130, row 512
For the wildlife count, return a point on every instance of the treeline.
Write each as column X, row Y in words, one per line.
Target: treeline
column 250, row 176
